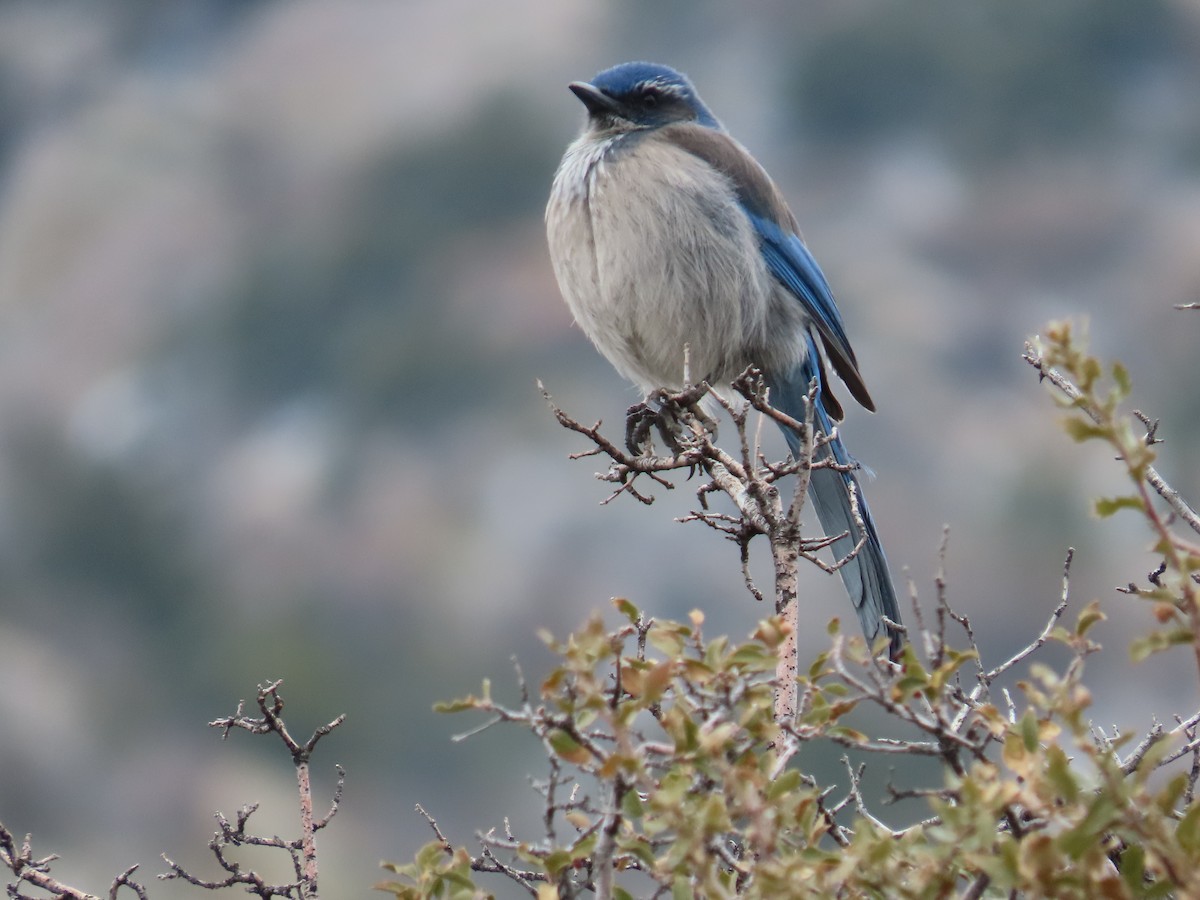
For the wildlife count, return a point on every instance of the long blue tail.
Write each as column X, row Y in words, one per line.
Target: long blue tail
column 866, row 577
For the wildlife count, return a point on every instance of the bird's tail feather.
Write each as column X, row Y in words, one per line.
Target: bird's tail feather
column 867, row 578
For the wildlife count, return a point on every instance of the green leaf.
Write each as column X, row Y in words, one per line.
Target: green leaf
column 849, row 734
column 1058, row 771
column 1078, row 840
column 568, row 748
column 641, row 849
column 1170, row 795
column 1156, row 642
column 1029, row 730
column 557, row 860
column 632, row 806
column 1081, row 429
column 752, row 655
column 667, row 639
column 462, row 879
column 626, row 608
column 1088, row 617
column 1121, row 376
column 585, row 846
column 787, row 782
column 460, row 705
column 1133, row 868
column 428, row 856
column 714, row 815
column 1106, row 506
column 1188, row 830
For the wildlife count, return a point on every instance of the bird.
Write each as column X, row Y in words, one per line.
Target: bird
column 664, row 234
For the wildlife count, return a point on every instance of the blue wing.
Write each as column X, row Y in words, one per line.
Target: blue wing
column 782, row 249
column 790, row 262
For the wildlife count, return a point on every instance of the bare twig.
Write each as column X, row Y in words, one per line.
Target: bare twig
column 36, row 873
column 859, row 803
column 302, row 850
column 1025, row 652
column 745, row 478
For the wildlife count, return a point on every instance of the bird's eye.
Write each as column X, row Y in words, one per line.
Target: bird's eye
column 649, row 99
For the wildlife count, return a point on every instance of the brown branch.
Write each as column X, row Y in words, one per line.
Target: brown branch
column 746, row 478
column 36, row 873
column 302, row 850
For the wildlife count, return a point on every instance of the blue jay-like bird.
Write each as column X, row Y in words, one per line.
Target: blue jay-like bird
column 664, row 233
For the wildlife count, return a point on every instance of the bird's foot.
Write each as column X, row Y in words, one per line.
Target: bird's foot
column 640, row 420
column 668, row 414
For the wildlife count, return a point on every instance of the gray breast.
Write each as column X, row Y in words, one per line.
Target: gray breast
column 653, row 252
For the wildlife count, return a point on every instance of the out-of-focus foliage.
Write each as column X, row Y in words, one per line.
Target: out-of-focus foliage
column 362, row 320
column 986, row 78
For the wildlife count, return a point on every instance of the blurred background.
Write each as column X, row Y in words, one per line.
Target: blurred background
column 274, row 295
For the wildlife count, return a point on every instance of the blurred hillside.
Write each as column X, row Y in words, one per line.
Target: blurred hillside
column 274, row 296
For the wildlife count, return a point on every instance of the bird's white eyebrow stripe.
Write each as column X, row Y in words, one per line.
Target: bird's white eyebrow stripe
column 662, row 84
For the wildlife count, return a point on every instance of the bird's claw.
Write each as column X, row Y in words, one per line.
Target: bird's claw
column 639, row 420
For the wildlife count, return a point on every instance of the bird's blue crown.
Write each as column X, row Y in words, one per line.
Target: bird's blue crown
column 654, row 94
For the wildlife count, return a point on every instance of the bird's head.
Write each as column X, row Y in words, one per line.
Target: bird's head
column 639, row 96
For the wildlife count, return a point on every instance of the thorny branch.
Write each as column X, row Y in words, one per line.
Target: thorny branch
column 959, row 724
column 35, row 873
column 647, row 751
column 302, row 850
column 746, row 477
column 627, row 786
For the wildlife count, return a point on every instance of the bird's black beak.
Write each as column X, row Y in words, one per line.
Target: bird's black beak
column 596, row 101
